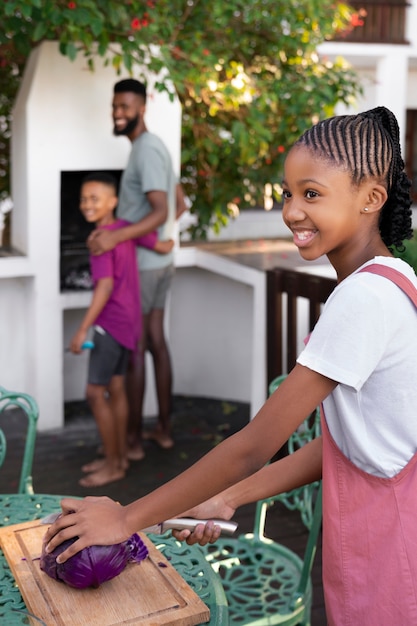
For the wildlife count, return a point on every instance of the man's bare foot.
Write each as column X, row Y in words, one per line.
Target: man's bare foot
column 162, row 439
column 102, row 477
column 135, row 452
column 98, row 464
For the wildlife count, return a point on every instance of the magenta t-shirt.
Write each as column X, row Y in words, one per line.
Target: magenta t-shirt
column 121, row 317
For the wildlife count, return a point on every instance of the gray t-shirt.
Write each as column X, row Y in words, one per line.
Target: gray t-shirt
column 149, row 169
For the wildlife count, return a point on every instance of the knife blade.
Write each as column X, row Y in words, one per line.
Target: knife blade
column 189, row 523
column 176, row 523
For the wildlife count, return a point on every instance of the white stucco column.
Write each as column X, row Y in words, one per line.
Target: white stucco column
column 392, row 93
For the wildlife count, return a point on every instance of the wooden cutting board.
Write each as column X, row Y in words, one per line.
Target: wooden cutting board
column 151, row 593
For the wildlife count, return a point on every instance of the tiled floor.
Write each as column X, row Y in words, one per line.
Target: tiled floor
column 198, row 424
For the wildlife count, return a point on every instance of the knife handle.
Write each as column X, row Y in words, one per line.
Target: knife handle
column 189, row 523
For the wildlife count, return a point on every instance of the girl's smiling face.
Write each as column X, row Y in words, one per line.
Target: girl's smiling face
column 322, row 207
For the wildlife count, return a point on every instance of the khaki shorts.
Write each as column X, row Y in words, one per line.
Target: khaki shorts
column 154, row 287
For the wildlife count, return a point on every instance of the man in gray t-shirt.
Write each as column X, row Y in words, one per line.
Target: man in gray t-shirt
column 149, row 168
column 151, row 198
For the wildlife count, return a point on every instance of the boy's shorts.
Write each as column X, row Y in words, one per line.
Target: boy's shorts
column 107, row 359
column 154, row 287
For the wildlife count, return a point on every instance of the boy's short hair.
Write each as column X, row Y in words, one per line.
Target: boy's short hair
column 101, row 177
column 131, row 85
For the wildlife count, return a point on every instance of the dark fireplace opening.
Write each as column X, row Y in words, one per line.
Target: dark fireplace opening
column 74, row 255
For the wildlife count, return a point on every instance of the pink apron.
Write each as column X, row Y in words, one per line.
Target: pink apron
column 369, row 533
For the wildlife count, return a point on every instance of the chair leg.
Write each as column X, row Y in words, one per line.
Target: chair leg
column 306, row 621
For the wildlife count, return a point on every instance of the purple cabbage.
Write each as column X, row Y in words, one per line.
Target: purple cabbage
column 94, row 565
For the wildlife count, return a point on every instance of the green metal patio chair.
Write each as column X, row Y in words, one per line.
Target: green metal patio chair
column 265, row 582
column 17, row 400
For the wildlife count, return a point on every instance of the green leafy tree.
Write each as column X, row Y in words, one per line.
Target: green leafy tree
column 247, row 74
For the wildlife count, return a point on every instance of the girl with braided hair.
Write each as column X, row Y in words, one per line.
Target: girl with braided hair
column 346, row 196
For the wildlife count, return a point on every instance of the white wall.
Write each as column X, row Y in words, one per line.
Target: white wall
column 411, row 30
column 211, row 339
column 15, row 324
column 217, row 328
column 412, row 89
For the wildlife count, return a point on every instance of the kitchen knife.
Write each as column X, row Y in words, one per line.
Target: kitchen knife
column 177, row 523
column 189, row 523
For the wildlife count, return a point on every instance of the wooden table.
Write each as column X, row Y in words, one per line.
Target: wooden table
column 189, row 561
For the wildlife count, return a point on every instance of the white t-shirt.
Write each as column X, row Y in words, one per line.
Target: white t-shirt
column 366, row 340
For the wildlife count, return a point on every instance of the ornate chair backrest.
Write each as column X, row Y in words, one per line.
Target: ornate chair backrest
column 24, row 402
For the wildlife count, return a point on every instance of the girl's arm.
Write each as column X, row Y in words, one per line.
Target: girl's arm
column 101, row 294
column 236, row 458
column 294, row 470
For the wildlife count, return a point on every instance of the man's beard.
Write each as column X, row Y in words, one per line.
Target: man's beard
column 129, row 128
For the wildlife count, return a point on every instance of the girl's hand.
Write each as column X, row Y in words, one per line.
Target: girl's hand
column 214, row 508
column 202, row 534
column 94, row 520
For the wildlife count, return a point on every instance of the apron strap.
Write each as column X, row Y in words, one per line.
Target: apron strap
column 397, row 277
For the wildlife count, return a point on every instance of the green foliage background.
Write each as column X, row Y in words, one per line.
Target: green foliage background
column 409, row 254
column 247, row 74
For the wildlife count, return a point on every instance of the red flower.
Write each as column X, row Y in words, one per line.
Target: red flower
column 356, row 20
column 206, row 52
column 71, row 5
column 136, row 23
column 144, row 22
column 280, row 149
column 150, row 4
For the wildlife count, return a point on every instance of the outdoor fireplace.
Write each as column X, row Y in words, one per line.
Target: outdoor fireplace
column 74, row 257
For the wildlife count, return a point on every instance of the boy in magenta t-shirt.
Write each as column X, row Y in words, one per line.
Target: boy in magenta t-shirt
column 115, row 314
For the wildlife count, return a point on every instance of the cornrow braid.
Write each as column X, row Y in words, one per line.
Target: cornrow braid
column 368, row 146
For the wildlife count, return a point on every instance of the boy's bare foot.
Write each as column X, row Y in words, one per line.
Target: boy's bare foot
column 136, row 452
column 94, row 466
column 98, row 464
column 102, row 477
column 162, row 439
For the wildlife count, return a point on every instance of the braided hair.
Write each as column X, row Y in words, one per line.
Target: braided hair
column 368, row 146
